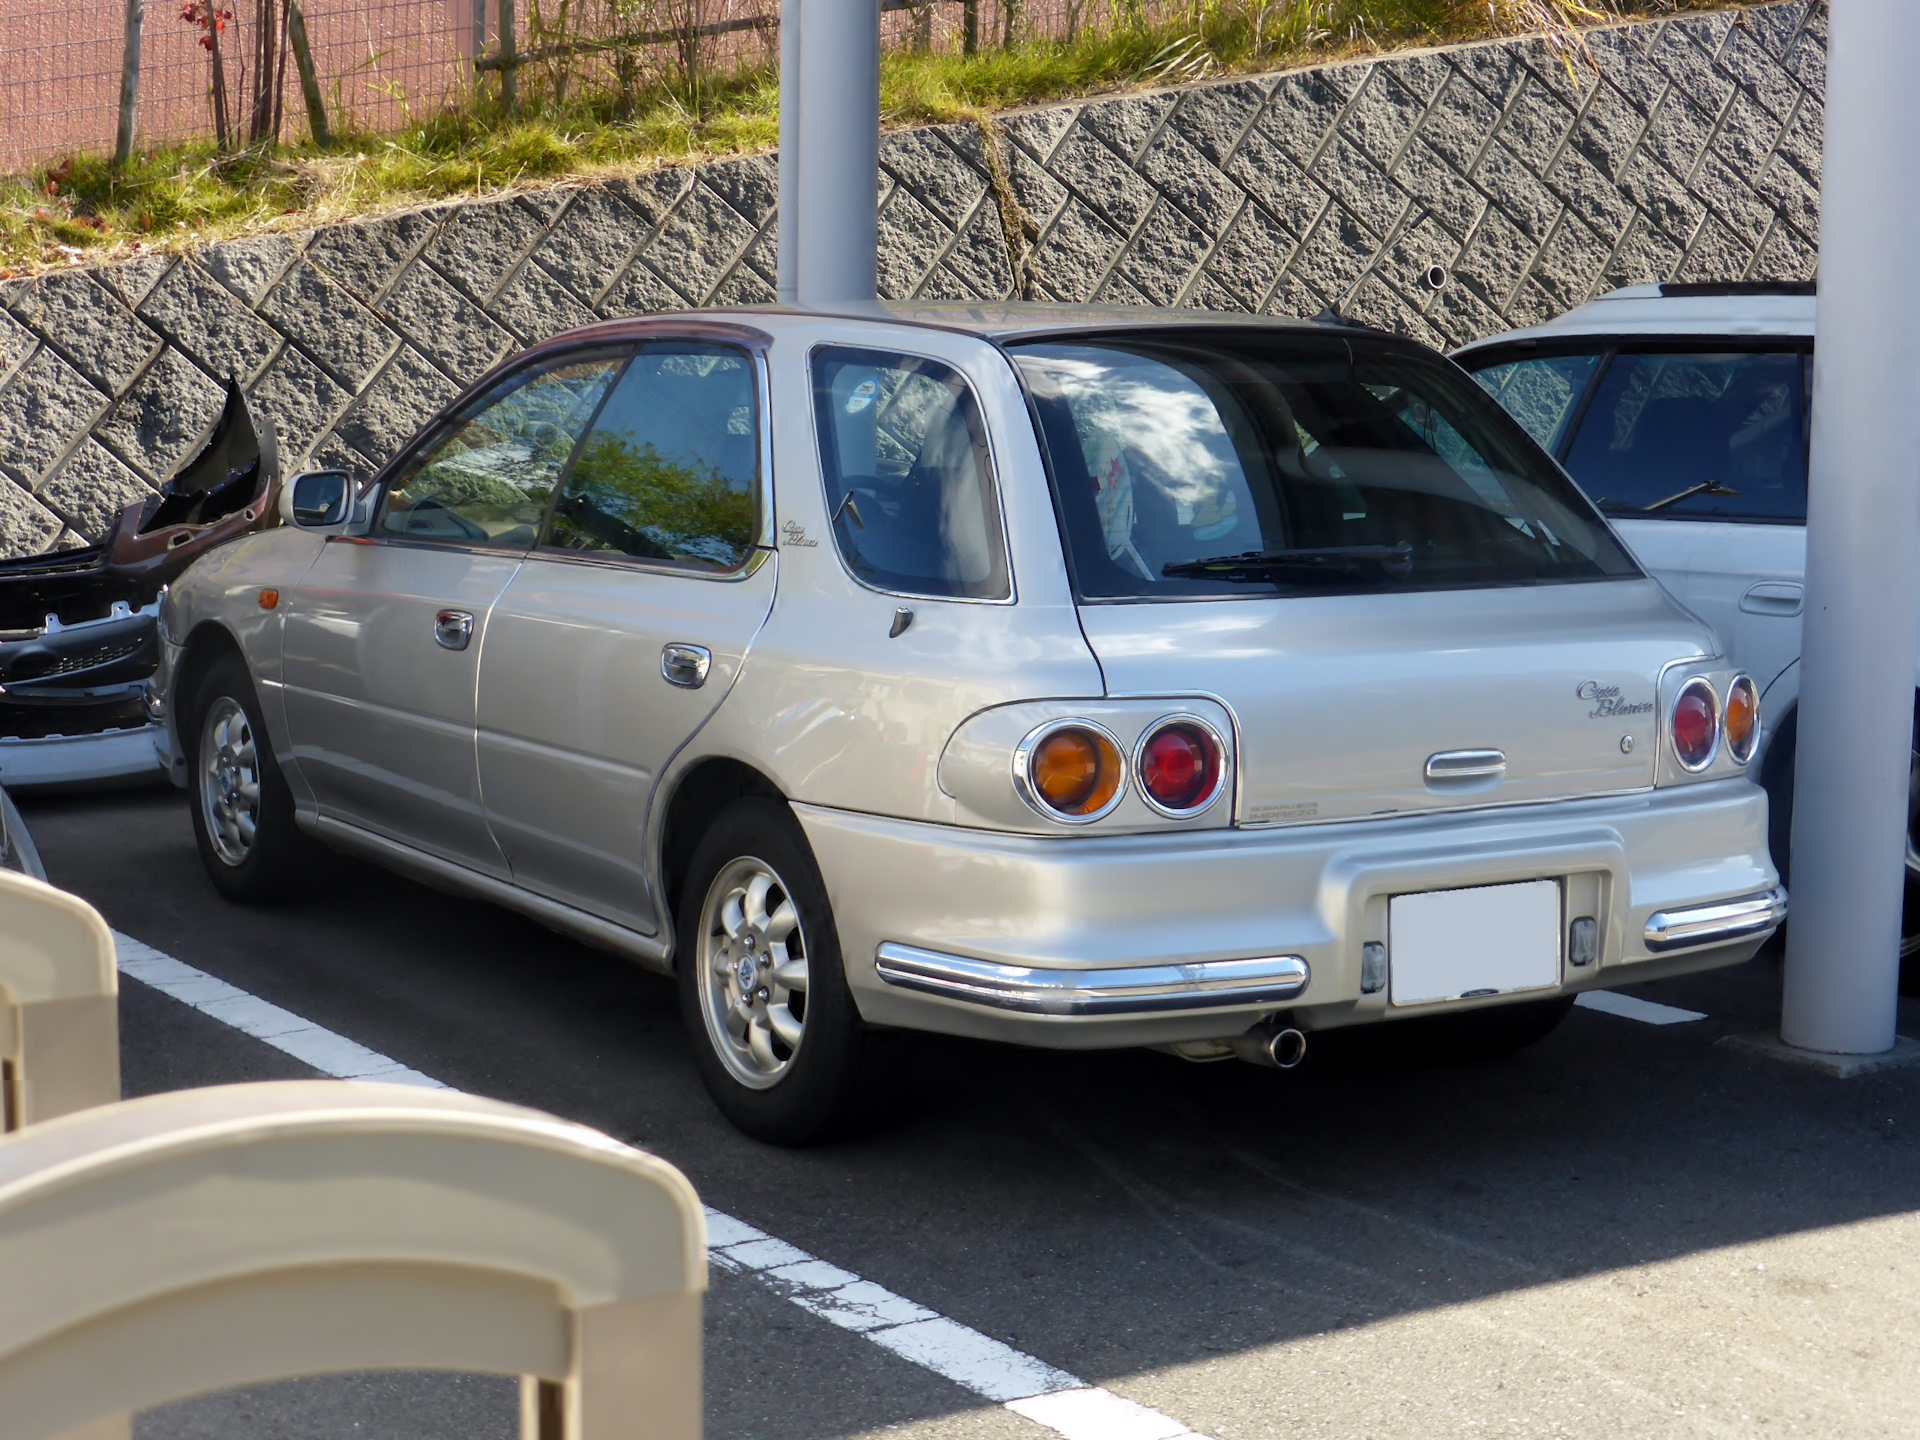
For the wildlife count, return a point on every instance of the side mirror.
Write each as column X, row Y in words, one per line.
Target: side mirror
column 321, row 499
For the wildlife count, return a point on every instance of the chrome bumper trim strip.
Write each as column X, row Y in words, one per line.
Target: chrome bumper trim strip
column 1722, row 920
column 1129, row 990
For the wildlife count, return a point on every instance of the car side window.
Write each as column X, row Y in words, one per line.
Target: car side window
column 1540, row 392
column 488, row 477
column 1697, row 436
column 909, row 478
column 670, row 470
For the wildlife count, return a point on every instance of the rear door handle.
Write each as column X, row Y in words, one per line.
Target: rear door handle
column 1773, row 597
column 685, row 665
column 1466, row 765
column 452, row 629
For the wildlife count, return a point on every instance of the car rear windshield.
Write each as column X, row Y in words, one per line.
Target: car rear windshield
column 1189, row 464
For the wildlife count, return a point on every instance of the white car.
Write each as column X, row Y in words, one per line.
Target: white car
column 1682, row 410
column 1069, row 677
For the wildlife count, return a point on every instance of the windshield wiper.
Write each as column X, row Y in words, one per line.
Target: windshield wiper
column 1395, row 561
column 1705, row 487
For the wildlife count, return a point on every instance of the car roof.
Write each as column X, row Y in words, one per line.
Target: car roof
column 1736, row 309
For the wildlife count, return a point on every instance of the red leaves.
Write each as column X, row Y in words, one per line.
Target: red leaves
column 209, row 16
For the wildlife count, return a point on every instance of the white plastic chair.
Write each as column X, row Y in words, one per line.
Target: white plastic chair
column 169, row 1246
column 59, row 997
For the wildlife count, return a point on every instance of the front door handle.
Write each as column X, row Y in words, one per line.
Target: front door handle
column 685, row 665
column 1773, row 597
column 452, row 629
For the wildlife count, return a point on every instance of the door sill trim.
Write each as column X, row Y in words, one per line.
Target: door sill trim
column 652, row 951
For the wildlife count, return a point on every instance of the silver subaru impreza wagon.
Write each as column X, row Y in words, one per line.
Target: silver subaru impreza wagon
column 1068, row 677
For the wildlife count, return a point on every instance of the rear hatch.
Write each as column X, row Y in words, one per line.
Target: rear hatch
column 1342, row 702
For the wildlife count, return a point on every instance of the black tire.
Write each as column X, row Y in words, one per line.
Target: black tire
column 837, row 1080
column 1486, row 1034
column 278, row 856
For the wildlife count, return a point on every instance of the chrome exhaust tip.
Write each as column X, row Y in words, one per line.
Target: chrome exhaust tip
column 1278, row 1049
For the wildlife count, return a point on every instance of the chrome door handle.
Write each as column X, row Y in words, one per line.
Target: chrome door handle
column 1773, row 597
column 1466, row 765
column 685, row 665
column 452, row 629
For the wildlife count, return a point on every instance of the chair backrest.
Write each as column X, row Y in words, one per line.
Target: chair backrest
column 59, row 993
column 165, row 1247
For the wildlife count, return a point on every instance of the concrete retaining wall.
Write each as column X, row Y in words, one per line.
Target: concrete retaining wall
column 1446, row 194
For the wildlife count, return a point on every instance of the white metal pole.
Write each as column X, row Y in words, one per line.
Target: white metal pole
column 829, row 151
column 1862, row 625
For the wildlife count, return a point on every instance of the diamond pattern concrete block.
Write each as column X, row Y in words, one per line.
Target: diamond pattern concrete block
column 157, row 424
column 1532, row 304
column 1646, row 255
column 640, row 292
column 1807, row 63
column 1608, row 131
column 1382, row 116
column 1678, row 135
column 591, row 245
column 302, row 399
column 1748, row 135
column 1495, row 260
column 1624, row 65
column 654, row 193
column 1126, row 123
column 1420, row 75
column 698, row 244
column 1440, row 189
column 1570, row 263
column 1213, row 118
column 1038, row 131
column 1295, row 298
column 1775, row 27
column 16, row 341
column 978, row 257
column 1662, row 196
column 912, row 240
column 1074, row 255
column 1536, row 124
column 339, row 332
column 1378, row 304
column 1786, row 256
column 1716, row 253
column 930, row 167
column 750, row 186
column 743, row 287
column 366, row 255
column 198, row 314
column 26, row 526
column 45, row 408
column 87, row 323
column 1457, row 315
column 1116, row 291
column 1285, row 191
column 1790, row 197
column 1589, row 194
column 132, row 279
column 1187, row 178
column 1803, row 141
column 1416, row 251
column 1739, row 204
column 1459, row 124
column 1333, row 256
column 535, row 305
column 1250, row 256
column 444, row 325
column 1301, row 112
column 1206, row 293
column 1163, row 255
column 91, row 490
column 480, row 246
column 391, row 410
column 1492, row 70
column 1039, row 196
column 1107, row 183
column 1362, row 189
column 1759, row 74
column 942, row 284
column 1517, row 192
column 1691, row 69
column 764, row 254
column 248, row 267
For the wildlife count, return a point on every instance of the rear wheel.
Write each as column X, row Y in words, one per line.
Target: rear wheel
column 763, row 994
column 242, row 809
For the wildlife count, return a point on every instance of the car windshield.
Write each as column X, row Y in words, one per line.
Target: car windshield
column 1197, row 463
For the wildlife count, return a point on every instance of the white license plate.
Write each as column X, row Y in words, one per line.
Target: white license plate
column 1490, row 940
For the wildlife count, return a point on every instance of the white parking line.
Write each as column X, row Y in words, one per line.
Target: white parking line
column 1631, row 1007
column 1028, row 1387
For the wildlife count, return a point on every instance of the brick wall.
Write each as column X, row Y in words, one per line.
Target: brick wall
column 1446, row 194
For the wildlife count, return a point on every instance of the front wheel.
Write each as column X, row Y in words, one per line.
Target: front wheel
column 777, row 1038
column 242, row 808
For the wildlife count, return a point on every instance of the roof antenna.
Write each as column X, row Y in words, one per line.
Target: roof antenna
column 829, row 153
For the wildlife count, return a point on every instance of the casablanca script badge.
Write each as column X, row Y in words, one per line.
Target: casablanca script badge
column 1606, row 701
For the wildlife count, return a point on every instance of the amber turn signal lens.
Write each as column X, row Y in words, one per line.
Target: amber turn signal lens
column 1696, row 725
column 1743, row 718
column 1075, row 771
column 269, row 599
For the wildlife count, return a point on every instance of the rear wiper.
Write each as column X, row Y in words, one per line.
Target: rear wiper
column 1705, row 487
column 1392, row 560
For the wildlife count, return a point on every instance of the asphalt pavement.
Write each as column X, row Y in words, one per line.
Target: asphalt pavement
column 1626, row 1230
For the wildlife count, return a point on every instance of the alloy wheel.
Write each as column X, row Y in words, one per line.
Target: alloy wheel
column 753, row 973
column 229, row 781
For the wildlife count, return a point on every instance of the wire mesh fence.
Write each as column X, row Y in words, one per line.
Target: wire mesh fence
column 213, row 65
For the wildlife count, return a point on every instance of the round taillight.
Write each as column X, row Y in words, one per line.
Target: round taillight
column 1071, row 771
column 1696, row 725
column 1181, row 766
column 1743, row 718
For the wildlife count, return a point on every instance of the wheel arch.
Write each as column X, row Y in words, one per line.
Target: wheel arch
column 209, row 642
column 699, row 794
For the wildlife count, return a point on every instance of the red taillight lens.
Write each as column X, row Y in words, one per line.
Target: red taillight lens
column 1180, row 767
column 1743, row 718
column 1696, row 725
column 1076, row 772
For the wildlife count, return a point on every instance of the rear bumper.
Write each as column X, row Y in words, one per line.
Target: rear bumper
column 1157, row 939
